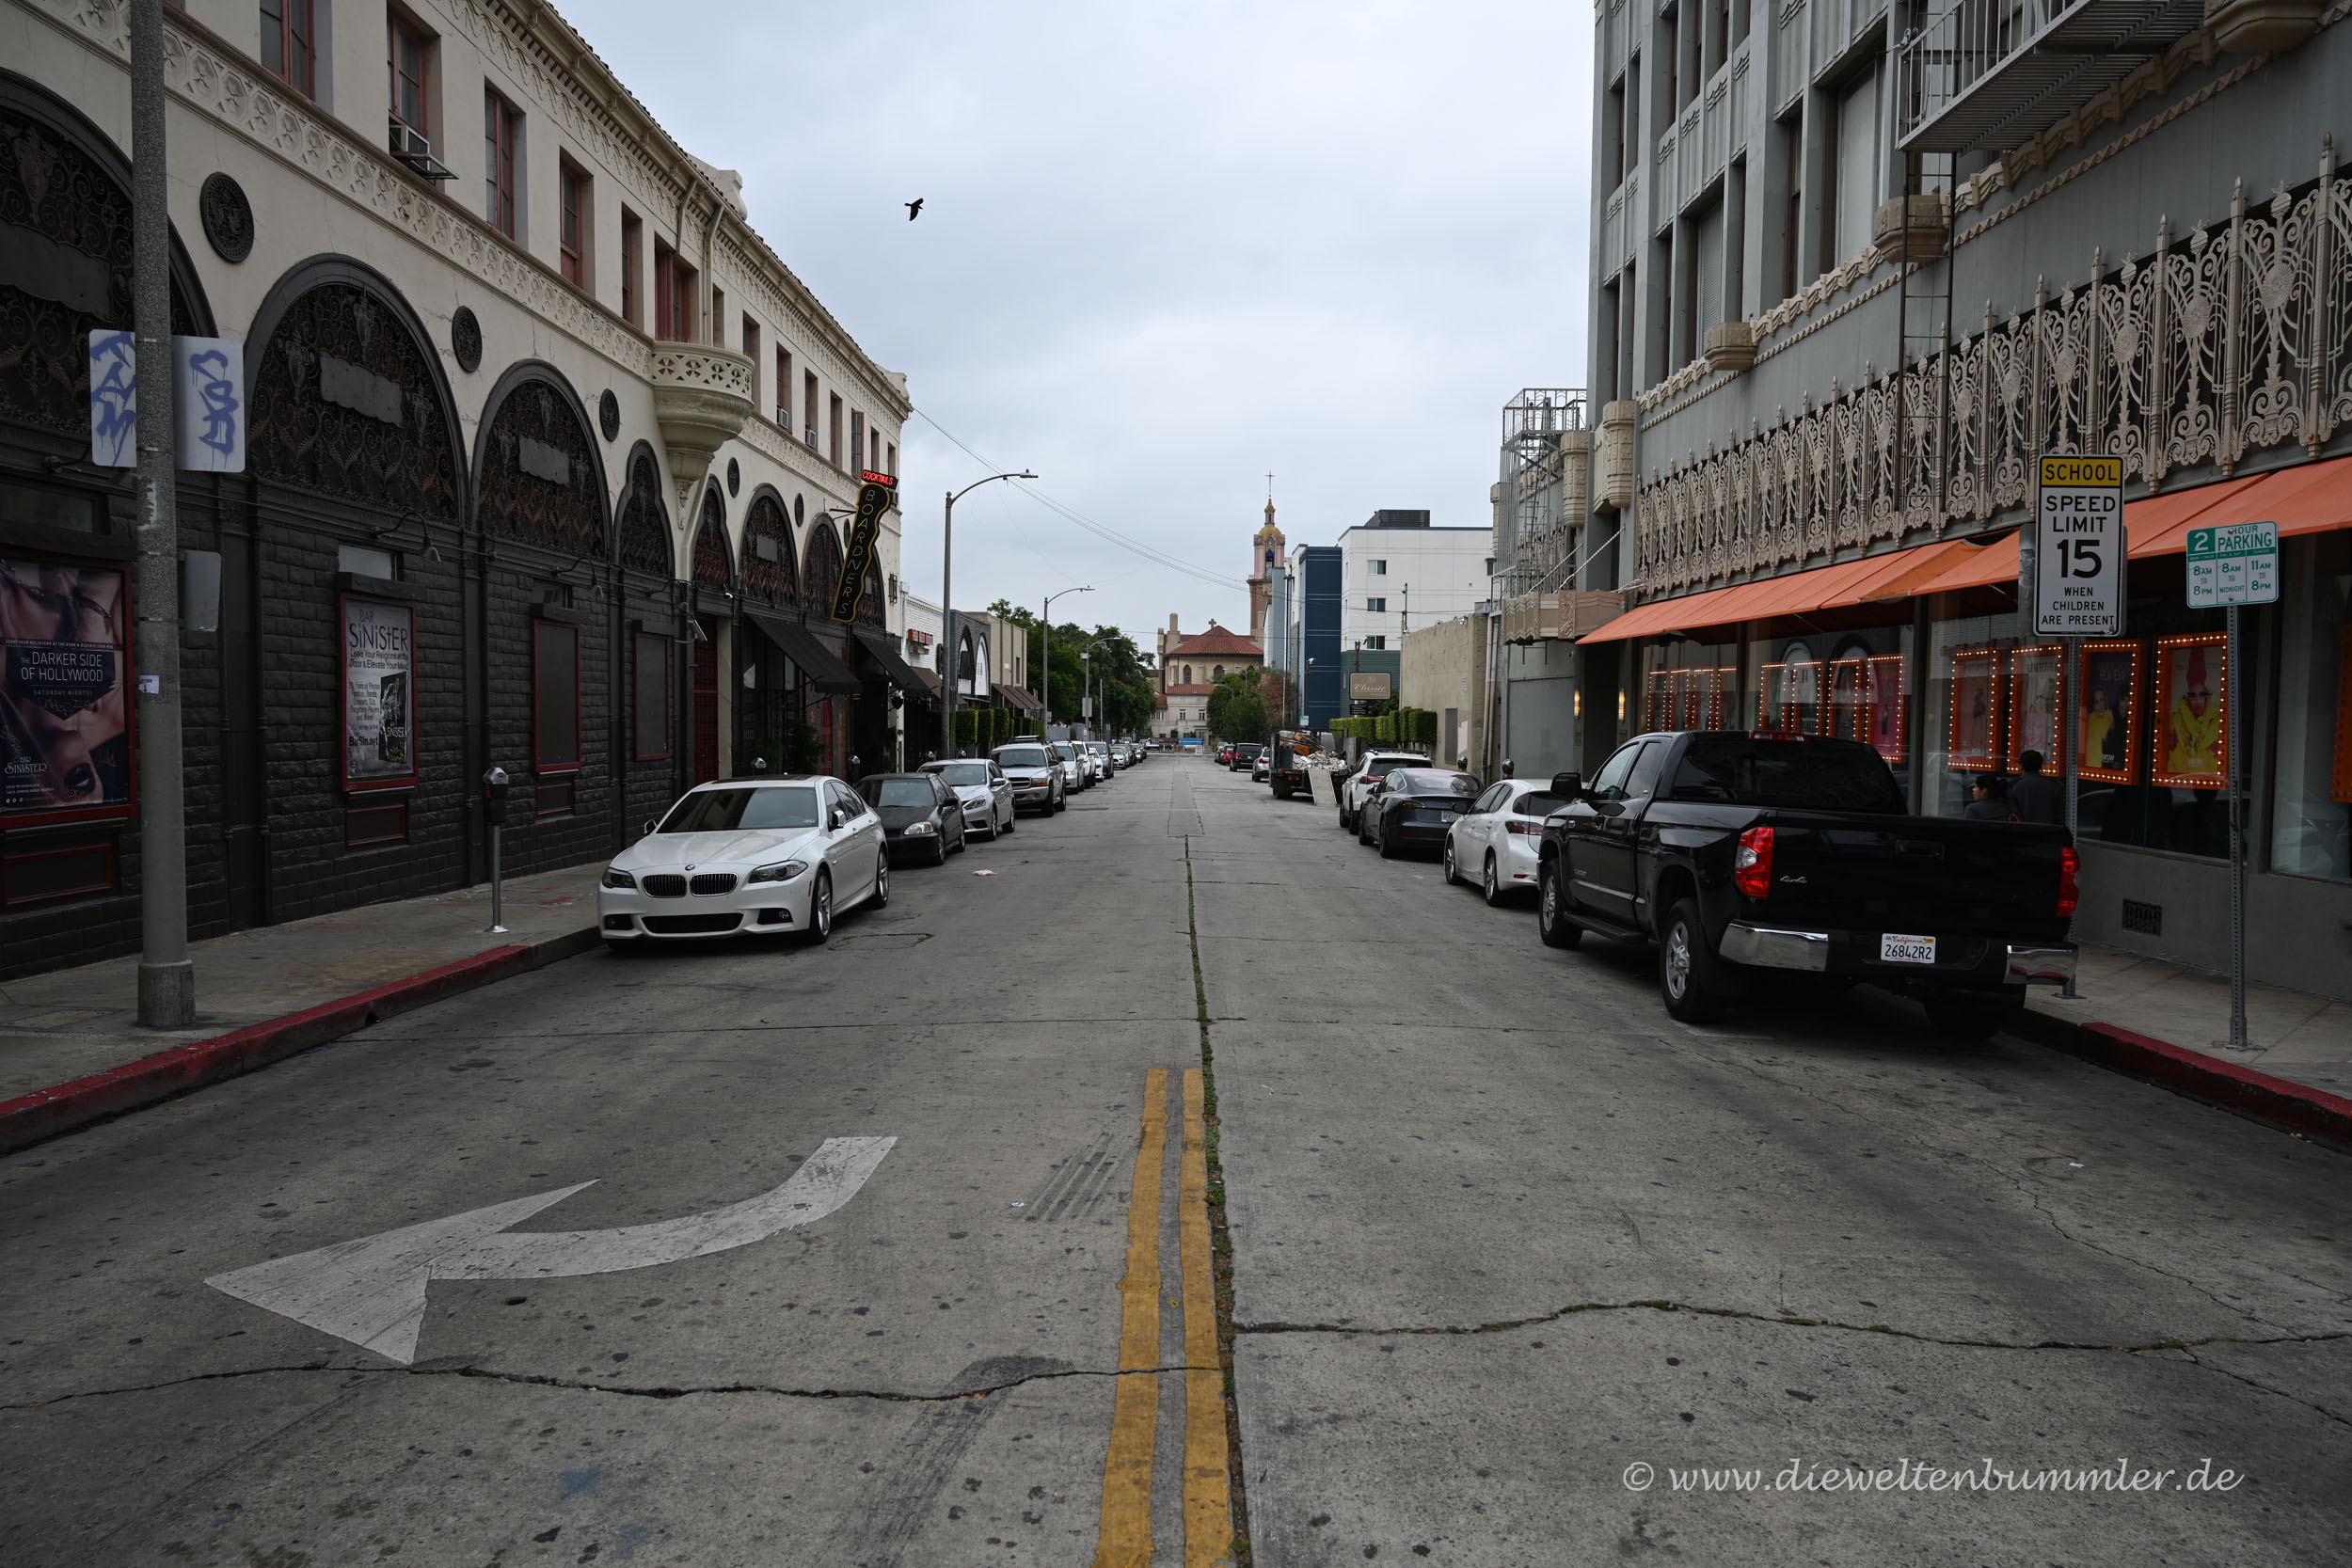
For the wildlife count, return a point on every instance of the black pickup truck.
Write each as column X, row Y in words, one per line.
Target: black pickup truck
column 1738, row 852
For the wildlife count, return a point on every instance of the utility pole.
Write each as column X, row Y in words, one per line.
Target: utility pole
column 947, row 608
column 167, row 975
column 1046, row 659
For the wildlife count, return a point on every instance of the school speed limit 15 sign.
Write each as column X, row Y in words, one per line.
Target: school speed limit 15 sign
column 2079, row 545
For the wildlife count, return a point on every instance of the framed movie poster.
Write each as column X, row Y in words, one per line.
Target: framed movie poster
column 2108, row 682
column 1844, row 716
column 2192, row 718
column 1888, row 716
column 65, row 708
column 2037, row 705
column 1973, row 734
column 2340, row 776
column 379, row 693
column 1803, row 684
column 1768, row 682
column 1661, row 697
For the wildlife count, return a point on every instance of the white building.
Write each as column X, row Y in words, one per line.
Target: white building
column 522, row 389
column 1397, row 572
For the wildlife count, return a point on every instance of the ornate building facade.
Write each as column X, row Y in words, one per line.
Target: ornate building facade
column 1855, row 267
column 547, row 459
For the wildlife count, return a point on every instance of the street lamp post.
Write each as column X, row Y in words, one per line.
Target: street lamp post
column 1046, row 659
column 947, row 607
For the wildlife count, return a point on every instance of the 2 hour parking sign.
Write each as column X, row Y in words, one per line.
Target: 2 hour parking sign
column 2078, row 544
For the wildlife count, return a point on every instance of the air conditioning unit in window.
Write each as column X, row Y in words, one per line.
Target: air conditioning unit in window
column 409, row 146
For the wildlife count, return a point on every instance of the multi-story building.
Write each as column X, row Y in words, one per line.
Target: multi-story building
column 1395, row 567
column 1856, row 266
column 548, row 457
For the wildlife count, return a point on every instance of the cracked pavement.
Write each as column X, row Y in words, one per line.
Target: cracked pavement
column 1500, row 1230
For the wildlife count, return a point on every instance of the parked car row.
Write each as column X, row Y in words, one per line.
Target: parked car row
column 776, row 856
column 1739, row 853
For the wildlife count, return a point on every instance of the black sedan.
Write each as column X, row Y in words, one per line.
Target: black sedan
column 1413, row 808
column 920, row 815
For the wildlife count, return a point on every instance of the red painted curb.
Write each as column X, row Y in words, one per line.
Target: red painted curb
column 2279, row 1101
column 46, row 1112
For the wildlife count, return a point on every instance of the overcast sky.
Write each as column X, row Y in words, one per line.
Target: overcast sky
column 1163, row 251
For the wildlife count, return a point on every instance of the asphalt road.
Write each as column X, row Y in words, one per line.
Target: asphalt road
column 1502, row 1233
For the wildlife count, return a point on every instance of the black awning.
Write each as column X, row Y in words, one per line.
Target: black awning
column 816, row 661
column 884, row 649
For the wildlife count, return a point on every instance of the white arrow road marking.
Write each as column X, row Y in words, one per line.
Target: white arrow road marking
column 371, row 1290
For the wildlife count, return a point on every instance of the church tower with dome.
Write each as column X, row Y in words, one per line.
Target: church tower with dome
column 1266, row 559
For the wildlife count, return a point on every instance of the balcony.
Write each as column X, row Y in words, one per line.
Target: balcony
column 702, row 395
column 1985, row 74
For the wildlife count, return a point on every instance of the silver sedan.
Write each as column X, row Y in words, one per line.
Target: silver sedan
column 984, row 790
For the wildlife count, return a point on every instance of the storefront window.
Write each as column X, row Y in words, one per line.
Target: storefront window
column 2312, row 806
column 2157, row 718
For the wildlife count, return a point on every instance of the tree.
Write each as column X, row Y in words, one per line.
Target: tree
column 1236, row 712
column 1119, row 669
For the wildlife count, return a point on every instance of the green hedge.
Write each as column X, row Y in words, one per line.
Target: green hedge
column 1411, row 726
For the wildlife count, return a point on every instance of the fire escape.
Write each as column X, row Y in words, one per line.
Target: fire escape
column 1539, row 511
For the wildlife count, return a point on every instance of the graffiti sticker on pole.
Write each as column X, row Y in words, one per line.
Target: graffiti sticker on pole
column 2077, row 549
column 873, row 499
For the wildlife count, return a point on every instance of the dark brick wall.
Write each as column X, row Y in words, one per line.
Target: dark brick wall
column 310, row 870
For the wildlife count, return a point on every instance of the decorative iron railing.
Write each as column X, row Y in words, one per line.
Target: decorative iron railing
column 2228, row 341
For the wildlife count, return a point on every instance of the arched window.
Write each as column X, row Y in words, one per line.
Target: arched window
column 645, row 522
column 1219, row 673
column 1187, row 675
column 767, row 566
column 713, row 565
column 538, row 480
column 823, row 574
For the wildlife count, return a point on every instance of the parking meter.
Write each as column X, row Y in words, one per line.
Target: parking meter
column 494, row 788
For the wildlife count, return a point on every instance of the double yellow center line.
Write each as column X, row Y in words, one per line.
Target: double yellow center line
column 1125, row 1538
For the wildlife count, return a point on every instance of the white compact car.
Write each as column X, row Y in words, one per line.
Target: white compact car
column 1495, row 843
column 748, row 857
column 985, row 791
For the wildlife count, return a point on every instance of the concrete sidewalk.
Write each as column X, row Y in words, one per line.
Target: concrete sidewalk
column 73, row 1023
column 2292, row 1035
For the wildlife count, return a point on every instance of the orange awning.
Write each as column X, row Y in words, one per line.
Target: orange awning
column 1797, row 594
column 2310, row 498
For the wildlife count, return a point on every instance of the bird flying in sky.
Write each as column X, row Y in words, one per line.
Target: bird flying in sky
column 915, row 209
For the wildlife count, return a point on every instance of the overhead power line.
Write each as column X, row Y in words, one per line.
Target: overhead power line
column 1100, row 530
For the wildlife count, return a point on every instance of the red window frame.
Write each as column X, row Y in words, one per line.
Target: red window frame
column 400, row 31
column 540, row 766
column 12, row 899
column 571, row 234
column 632, row 236
column 290, row 44
column 498, row 153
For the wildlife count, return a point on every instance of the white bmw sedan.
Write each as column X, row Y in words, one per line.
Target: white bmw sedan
column 748, row 857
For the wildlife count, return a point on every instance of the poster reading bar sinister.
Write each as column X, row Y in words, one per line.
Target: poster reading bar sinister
column 379, row 693
column 65, row 728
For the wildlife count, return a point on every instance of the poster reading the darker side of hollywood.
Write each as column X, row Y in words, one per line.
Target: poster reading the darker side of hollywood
column 379, row 692
column 65, row 723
